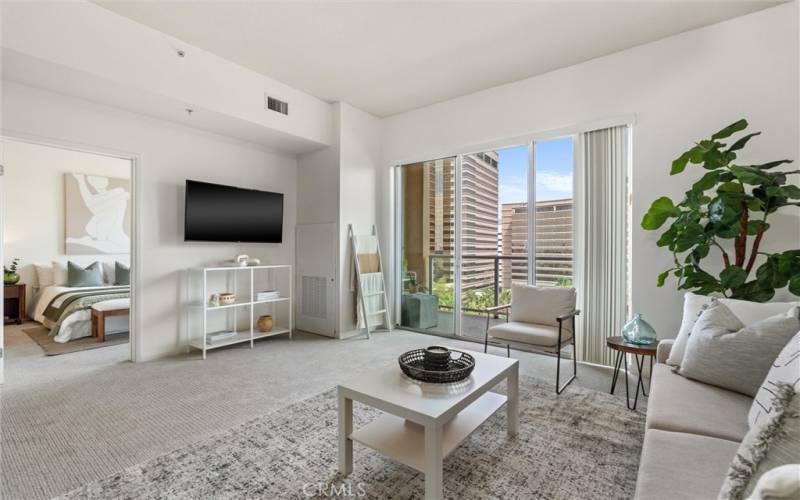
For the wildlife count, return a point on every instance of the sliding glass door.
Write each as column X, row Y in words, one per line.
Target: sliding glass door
column 494, row 228
column 427, row 237
column 554, row 201
column 464, row 226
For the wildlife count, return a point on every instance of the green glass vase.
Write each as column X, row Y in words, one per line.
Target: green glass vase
column 638, row 331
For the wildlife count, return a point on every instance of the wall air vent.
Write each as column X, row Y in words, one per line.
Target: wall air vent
column 277, row 105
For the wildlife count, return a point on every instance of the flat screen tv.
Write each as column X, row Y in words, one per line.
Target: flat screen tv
column 225, row 213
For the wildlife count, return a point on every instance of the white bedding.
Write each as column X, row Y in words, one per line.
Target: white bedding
column 76, row 325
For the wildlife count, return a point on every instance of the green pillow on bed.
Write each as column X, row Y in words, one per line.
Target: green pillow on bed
column 78, row 276
column 122, row 274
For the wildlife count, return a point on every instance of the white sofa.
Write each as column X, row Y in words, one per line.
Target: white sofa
column 692, row 433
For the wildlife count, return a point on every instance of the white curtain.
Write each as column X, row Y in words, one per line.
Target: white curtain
column 601, row 237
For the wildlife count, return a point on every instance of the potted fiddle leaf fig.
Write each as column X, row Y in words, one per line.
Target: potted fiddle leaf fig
column 727, row 211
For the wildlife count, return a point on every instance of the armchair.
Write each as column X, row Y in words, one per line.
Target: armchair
column 540, row 320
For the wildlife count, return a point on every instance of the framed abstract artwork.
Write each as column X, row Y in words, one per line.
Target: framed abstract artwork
column 98, row 219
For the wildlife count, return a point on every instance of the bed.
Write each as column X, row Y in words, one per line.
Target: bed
column 66, row 311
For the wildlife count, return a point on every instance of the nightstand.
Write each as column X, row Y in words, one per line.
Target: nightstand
column 14, row 303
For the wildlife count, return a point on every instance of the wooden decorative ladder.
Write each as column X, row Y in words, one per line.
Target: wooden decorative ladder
column 368, row 245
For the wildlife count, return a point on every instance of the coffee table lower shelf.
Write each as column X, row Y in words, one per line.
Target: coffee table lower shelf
column 404, row 441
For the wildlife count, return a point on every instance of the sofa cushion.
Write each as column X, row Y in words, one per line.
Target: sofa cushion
column 541, row 304
column 526, row 333
column 683, row 405
column 679, row 466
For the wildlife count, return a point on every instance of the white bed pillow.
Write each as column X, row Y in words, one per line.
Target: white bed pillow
column 108, row 273
column 44, row 274
column 748, row 312
column 60, row 274
column 785, row 370
column 110, row 268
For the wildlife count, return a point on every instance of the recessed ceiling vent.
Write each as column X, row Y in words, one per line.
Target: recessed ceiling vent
column 277, row 105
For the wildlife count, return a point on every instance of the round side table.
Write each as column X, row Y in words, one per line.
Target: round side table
column 640, row 352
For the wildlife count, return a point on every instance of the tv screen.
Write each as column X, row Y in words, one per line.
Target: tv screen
column 225, row 213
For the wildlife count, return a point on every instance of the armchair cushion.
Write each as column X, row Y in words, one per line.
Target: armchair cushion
column 528, row 333
column 541, row 305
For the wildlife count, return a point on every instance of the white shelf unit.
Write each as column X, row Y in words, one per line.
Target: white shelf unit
column 242, row 315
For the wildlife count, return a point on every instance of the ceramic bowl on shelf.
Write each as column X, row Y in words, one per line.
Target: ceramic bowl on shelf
column 226, row 299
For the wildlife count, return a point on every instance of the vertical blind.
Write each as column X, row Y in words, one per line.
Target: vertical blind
column 601, row 238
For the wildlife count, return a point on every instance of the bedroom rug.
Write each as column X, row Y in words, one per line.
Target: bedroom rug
column 40, row 335
column 581, row 444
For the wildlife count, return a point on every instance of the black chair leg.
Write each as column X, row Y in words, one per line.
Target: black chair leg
column 560, row 388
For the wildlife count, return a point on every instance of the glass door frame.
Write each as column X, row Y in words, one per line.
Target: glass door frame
column 530, row 142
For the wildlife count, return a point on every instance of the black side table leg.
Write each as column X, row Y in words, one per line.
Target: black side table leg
column 617, row 366
column 645, row 391
column 639, row 380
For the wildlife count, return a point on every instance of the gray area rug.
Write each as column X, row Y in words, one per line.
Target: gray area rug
column 581, row 444
column 41, row 336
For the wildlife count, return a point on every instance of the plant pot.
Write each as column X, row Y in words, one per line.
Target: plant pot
column 264, row 323
column 10, row 278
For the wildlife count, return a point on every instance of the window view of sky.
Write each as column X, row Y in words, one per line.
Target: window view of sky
column 553, row 171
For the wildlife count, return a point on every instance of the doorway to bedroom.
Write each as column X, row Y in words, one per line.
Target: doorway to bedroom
column 68, row 234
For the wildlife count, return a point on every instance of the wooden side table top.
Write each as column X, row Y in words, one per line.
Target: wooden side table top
column 619, row 344
column 12, row 291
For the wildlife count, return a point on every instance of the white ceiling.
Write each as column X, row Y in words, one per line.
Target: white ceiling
column 387, row 58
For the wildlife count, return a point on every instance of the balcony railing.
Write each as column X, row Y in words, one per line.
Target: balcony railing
column 556, row 259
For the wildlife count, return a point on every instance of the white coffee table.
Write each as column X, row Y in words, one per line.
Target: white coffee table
column 424, row 422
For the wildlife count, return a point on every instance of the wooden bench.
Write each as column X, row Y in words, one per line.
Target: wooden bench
column 106, row 309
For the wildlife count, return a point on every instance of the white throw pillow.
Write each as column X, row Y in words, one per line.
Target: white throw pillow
column 748, row 313
column 44, row 274
column 785, row 370
column 693, row 305
column 722, row 351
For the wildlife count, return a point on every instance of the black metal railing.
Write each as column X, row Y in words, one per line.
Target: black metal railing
column 496, row 269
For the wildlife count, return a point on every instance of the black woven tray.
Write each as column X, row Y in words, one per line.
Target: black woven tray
column 411, row 363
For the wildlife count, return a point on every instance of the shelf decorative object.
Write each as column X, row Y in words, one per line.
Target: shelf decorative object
column 638, row 331
column 264, row 323
column 226, row 299
column 10, row 274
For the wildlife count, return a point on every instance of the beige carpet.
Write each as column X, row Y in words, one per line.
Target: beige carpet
column 41, row 336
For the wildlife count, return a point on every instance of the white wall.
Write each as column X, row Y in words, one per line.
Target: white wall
column 34, row 228
column 681, row 89
column 360, row 160
column 169, row 154
column 341, row 184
